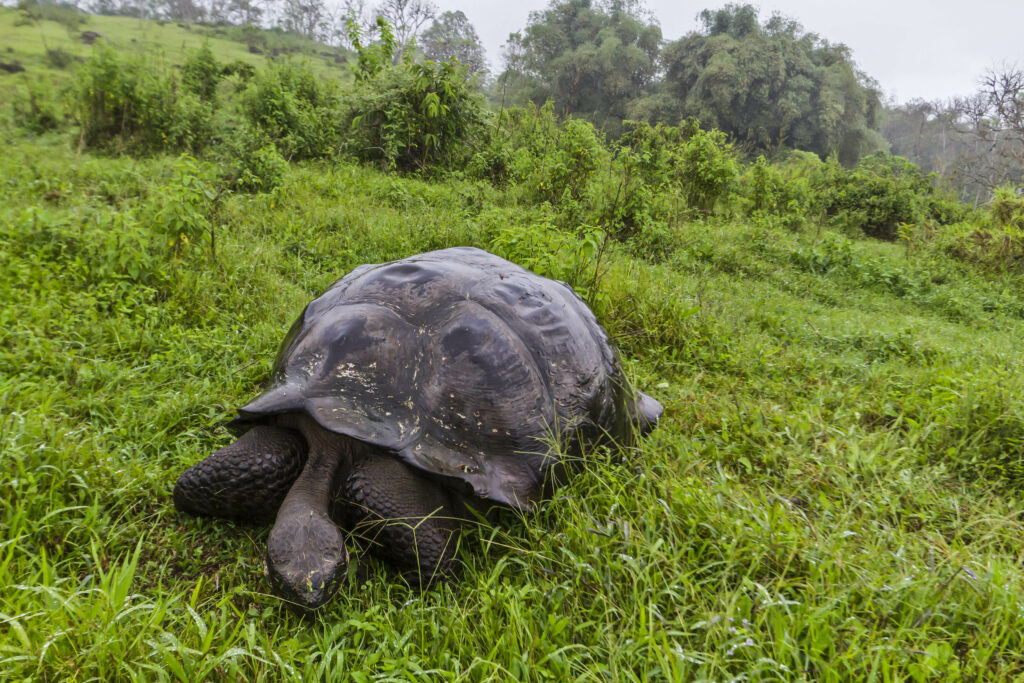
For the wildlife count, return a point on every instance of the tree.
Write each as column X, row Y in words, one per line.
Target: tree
column 308, row 17
column 593, row 59
column 244, row 12
column 771, row 85
column 406, row 18
column 993, row 119
column 452, row 36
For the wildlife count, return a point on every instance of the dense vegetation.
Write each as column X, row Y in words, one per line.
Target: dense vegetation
column 768, row 85
column 834, row 492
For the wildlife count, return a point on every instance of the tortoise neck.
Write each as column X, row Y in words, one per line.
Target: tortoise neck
column 306, row 555
column 328, row 463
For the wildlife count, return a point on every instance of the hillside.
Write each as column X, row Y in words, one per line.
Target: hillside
column 27, row 43
column 834, row 492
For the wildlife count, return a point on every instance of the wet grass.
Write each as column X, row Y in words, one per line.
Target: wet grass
column 833, row 494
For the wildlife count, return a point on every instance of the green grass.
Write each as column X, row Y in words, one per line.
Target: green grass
column 833, row 493
column 28, row 43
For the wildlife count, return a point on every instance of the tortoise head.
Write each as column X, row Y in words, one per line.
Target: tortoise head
column 306, row 558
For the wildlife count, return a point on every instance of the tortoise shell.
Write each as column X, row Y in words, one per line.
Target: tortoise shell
column 461, row 364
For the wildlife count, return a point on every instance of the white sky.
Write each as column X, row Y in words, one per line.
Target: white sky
column 932, row 49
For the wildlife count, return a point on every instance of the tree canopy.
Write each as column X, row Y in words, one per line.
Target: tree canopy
column 451, row 35
column 769, row 85
column 592, row 58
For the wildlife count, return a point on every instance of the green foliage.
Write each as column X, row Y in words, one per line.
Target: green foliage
column 771, row 85
column 709, row 168
column 37, row 109
column 656, row 167
column 201, row 73
column 558, row 161
column 882, row 193
column 833, row 493
column 122, row 103
column 298, row 111
column 592, row 59
column 1006, row 209
column 413, row 116
column 406, row 115
column 992, row 238
column 253, row 163
column 182, row 214
column 632, row 189
column 375, row 57
column 778, row 195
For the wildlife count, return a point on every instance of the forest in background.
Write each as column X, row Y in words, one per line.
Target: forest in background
column 769, row 84
column 833, row 493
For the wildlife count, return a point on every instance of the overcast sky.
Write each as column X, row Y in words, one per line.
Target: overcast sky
column 932, row 49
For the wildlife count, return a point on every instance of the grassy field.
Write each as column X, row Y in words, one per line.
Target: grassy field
column 833, row 493
column 28, row 43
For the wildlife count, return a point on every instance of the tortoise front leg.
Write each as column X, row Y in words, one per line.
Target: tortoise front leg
column 407, row 519
column 246, row 480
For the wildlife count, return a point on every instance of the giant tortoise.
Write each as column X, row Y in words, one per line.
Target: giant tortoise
column 405, row 401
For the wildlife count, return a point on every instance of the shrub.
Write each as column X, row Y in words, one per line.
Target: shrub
column 659, row 173
column 641, row 189
column 37, row 111
column 709, row 168
column 561, row 169
column 59, row 58
column 1006, row 209
column 295, row 109
column 879, row 194
column 201, row 73
column 410, row 116
column 775, row 196
column 182, row 212
column 122, row 103
column 413, row 117
column 253, row 162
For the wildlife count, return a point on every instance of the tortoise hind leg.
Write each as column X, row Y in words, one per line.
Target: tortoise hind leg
column 246, row 480
column 405, row 518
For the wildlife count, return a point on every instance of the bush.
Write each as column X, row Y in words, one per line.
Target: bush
column 294, row 109
column 878, row 195
column 633, row 189
column 59, row 58
column 410, row 116
column 38, row 111
column 775, row 197
column 201, row 73
column 1006, row 210
column 709, row 168
column 413, row 117
column 559, row 167
column 182, row 212
column 253, row 162
column 660, row 173
column 123, row 103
